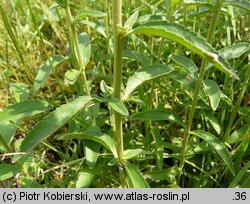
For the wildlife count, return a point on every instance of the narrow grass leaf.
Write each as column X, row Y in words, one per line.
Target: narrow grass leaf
column 134, row 177
column 61, row 3
column 7, row 171
column 242, row 5
column 45, row 71
column 100, row 138
column 11, row 33
column 89, row 13
column 14, row 113
column 158, row 147
column 213, row 92
column 157, row 115
column 84, row 179
column 165, row 174
column 240, row 175
column 188, row 39
column 234, row 51
column 217, row 146
column 188, row 64
column 144, row 75
column 56, row 119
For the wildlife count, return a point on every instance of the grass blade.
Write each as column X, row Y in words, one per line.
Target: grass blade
column 239, row 176
column 217, row 146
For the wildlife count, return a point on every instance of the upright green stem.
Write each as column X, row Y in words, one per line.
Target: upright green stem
column 77, row 54
column 118, row 53
column 214, row 21
column 237, row 105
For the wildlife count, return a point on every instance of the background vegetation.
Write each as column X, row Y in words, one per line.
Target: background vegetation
column 153, row 95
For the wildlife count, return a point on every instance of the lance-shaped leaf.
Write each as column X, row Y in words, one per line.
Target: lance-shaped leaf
column 187, row 38
column 134, row 177
column 45, row 71
column 8, row 171
column 89, row 13
column 213, row 92
column 14, row 113
column 98, row 137
column 85, row 48
column 54, row 121
column 188, row 64
column 158, row 115
column 217, row 146
column 234, row 51
column 242, row 5
column 144, row 75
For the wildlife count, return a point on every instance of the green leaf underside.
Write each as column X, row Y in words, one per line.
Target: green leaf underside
column 45, row 71
column 188, row 64
column 165, row 174
column 213, row 92
column 127, row 154
column 158, row 115
column 56, row 119
column 89, row 13
column 98, row 26
column 187, row 38
column 20, row 91
column 217, row 146
column 134, row 177
column 16, row 112
column 84, row 179
column 100, row 138
column 118, row 106
column 7, row 171
column 144, row 75
column 242, row 5
column 85, row 48
column 71, row 76
column 234, row 51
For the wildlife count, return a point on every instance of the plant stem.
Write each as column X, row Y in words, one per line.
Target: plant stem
column 237, row 105
column 77, row 55
column 118, row 53
column 214, row 21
